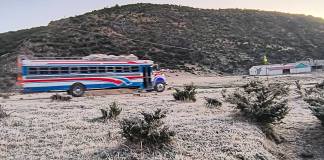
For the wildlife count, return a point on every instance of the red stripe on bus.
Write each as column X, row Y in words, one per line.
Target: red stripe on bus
column 62, row 61
column 85, row 62
column 134, row 77
column 116, row 81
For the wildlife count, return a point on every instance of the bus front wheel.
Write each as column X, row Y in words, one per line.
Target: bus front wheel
column 77, row 90
column 160, row 87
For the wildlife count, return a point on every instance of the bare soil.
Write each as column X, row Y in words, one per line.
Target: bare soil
column 38, row 128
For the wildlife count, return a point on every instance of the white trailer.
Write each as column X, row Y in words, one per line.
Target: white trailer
column 279, row 69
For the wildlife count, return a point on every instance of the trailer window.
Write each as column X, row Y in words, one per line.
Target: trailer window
column 32, row 70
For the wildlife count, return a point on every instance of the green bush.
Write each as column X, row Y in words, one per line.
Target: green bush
column 298, row 85
column 150, row 130
column 263, row 103
column 188, row 94
column 223, row 92
column 317, row 107
column 3, row 114
column 212, row 102
column 315, row 98
column 113, row 113
column 5, row 96
column 57, row 97
column 320, row 85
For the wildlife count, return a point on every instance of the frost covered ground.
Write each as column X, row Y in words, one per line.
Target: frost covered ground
column 38, row 128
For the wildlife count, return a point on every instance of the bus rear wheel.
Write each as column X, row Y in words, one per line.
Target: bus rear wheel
column 77, row 90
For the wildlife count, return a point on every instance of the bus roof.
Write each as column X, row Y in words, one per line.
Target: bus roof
column 82, row 62
column 43, row 61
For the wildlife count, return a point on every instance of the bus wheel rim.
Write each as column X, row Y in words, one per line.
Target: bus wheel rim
column 77, row 90
column 159, row 87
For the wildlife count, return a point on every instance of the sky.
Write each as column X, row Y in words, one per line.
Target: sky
column 23, row 14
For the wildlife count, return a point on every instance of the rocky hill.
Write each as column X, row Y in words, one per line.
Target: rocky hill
column 225, row 40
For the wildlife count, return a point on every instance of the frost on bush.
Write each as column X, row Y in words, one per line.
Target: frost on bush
column 263, row 103
column 320, row 85
column 113, row 113
column 149, row 130
column 114, row 110
column 3, row 114
column 315, row 98
column 317, row 107
column 57, row 97
column 212, row 102
column 188, row 94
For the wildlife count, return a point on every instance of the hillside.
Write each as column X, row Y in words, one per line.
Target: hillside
column 226, row 40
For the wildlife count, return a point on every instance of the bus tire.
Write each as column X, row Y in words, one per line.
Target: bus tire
column 77, row 90
column 160, row 87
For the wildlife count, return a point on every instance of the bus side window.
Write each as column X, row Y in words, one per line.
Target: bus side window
column 54, row 70
column 93, row 69
column 65, row 70
column 43, row 70
column 101, row 69
column 126, row 69
column 119, row 69
column 74, row 70
column 32, row 70
column 135, row 69
column 84, row 69
column 110, row 69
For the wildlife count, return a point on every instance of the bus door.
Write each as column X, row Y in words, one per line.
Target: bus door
column 147, row 79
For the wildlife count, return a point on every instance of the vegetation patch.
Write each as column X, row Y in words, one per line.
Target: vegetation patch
column 317, row 107
column 320, row 85
column 58, row 97
column 3, row 114
column 212, row 102
column 113, row 112
column 187, row 94
column 150, row 130
column 5, row 96
column 263, row 103
column 315, row 98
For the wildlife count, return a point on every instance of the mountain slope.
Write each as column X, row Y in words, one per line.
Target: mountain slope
column 227, row 40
